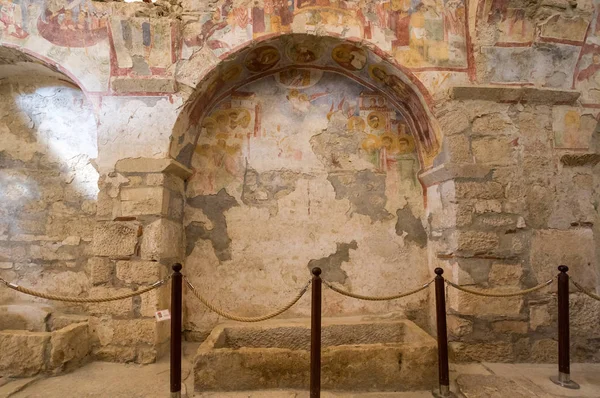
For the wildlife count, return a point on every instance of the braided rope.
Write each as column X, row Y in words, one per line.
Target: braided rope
column 512, row 294
column 55, row 297
column 587, row 292
column 375, row 298
column 242, row 318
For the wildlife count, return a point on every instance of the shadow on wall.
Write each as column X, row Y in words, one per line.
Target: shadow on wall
column 48, row 183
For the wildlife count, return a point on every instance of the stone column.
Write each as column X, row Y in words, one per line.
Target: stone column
column 138, row 236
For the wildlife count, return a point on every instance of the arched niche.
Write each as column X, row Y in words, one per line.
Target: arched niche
column 305, row 153
column 359, row 61
column 48, row 182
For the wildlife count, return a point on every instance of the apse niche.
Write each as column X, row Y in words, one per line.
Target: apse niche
column 303, row 168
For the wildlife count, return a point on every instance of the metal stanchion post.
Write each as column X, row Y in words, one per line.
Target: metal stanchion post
column 442, row 337
column 315, row 335
column 176, row 309
column 564, row 366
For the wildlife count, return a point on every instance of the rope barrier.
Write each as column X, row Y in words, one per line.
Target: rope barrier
column 584, row 291
column 241, row 318
column 512, row 294
column 55, row 297
column 375, row 298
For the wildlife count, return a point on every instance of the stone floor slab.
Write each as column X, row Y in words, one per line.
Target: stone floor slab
column 586, row 375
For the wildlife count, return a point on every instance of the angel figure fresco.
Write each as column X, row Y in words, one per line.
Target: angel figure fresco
column 301, row 102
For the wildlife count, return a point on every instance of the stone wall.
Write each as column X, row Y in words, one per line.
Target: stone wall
column 48, row 185
column 523, row 204
column 138, row 231
column 506, row 91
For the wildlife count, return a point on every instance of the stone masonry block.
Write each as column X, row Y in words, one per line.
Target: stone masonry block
column 469, row 304
column 493, row 151
column 155, row 300
column 479, row 190
column 116, row 238
column 162, row 240
column 69, row 345
column 129, row 332
column 573, row 248
column 139, row 271
column 475, row 242
column 505, row 274
column 491, row 352
column 458, row 149
column 101, row 270
column 22, row 352
column 144, row 200
column 117, row 307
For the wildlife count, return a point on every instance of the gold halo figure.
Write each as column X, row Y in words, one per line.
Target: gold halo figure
column 349, row 56
column 390, row 142
column 376, row 120
column 378, row 72
column 222, row 119
column 371, row 143
column 231, row 74
column 262, row 58
column 356, row 123
column 406, row 144
column 210, row 124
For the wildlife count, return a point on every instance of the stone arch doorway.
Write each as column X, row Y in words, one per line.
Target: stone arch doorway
column 306, row 152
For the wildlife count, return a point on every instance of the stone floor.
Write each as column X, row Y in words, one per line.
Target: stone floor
column 481, row 380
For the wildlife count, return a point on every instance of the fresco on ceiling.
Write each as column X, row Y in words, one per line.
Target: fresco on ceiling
column 419, row 33
column 270, row 125
column 290, row 59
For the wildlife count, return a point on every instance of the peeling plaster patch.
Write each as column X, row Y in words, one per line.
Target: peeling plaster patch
column 336, row 149
column 264, row 189
column 332, row 264
column 413, row 227
column 365, row 190
column 214, row 207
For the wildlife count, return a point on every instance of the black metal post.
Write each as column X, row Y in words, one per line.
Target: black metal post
column 176, row 312
column 442, row 336
column 315, row 335
column 564, row 361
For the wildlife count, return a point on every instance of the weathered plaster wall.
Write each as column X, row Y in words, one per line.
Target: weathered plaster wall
column 301, row 169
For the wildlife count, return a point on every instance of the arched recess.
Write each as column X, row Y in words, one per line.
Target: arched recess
column 48, row 182
column 306, row 152
column 370, row 67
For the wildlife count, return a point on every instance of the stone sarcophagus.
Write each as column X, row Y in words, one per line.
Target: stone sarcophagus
column 358, row 354
column 33, row 340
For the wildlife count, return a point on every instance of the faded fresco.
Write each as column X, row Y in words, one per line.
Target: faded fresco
column 300, row 149
column 420, row 33
column 540, row 43
column 290, row 59
column 587, row 73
